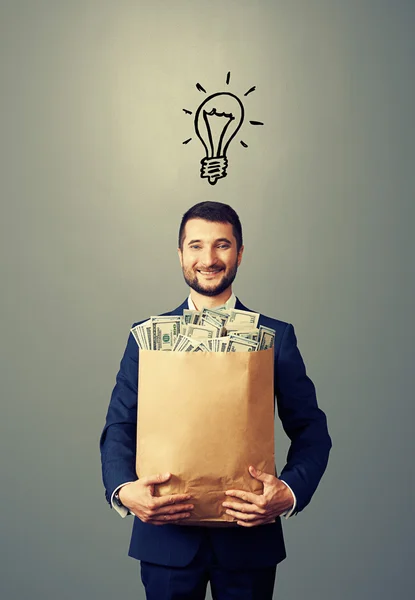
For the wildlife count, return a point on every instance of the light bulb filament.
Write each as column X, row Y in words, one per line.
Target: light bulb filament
column 216, row 129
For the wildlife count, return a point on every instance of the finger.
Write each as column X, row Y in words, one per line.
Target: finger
column 250, row 497
column 252, row 523
column 255, row 523
column 244, row 516
column 159, row 501
column 158, row 478
column 244, row 508
column 163, row 519
column 261, row 475
column 173, row 510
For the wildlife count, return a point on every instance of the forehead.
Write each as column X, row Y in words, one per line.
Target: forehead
column 199, row 229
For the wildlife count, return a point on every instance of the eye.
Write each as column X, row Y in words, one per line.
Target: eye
column 223, row 246
column 194, row 247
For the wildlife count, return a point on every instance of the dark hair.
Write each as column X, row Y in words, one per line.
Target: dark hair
column 216, row 212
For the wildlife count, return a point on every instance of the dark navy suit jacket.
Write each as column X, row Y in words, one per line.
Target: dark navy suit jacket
column 235, row 547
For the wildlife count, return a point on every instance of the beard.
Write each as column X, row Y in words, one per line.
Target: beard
column 190, row 277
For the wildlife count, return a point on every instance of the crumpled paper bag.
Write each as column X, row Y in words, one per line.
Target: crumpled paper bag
column 205, row 417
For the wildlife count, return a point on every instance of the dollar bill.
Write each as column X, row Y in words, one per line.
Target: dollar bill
column 146, row 329
column 185, row 344
column 142, row 335
column 188, row 316
column 199, row 348
column 266, row 337
column 209, row 320
column 202, row 346
column 200, row 331
column 221, row 344
column 243, row 318
column 164, row 331
column 136, row 333
column 209, row 342
column 179, row 341
column 222, row 309
column 195, row 317
column 249, row 334
column 239, row 344
column 214, row 314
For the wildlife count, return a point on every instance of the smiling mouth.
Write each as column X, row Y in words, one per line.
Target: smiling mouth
column 209, row 272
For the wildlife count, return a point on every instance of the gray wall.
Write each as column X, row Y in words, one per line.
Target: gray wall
column 94, row 180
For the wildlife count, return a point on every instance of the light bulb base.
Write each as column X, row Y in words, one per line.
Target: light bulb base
column 214, row 168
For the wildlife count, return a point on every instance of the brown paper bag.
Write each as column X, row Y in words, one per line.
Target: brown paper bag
column 205, row 417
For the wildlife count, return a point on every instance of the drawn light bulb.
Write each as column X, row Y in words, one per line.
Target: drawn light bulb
column 217, row 121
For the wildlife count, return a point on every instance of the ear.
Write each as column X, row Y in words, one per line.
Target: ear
column 180, row 253
column 241, row 250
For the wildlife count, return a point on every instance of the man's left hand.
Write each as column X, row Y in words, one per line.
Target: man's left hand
column 256, row 509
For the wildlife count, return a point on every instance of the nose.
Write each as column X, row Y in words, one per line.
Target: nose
column 208, row 257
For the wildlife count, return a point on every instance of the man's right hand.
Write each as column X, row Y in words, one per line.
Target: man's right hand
column 139, row 498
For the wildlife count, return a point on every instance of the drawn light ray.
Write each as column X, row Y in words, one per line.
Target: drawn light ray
column 244, row 144
column 252, row 89
column 187, row 112
column 228, row 78
column 256, row 122
column 200, row 88
column 187, row 141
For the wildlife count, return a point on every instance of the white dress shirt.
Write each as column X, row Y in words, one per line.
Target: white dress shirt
column 122, row 510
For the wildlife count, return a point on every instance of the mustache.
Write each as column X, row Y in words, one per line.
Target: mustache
column 211, row 268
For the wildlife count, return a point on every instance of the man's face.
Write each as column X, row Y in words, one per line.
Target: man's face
column 209, row 258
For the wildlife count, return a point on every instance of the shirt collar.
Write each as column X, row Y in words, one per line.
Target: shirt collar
column 230, row 303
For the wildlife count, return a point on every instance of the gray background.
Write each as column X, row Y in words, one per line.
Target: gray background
column 94, row 180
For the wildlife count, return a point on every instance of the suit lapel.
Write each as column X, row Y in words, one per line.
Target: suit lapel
column 240, row 306
column 179, row 310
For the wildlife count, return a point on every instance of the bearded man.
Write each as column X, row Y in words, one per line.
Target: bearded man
column 239, row 562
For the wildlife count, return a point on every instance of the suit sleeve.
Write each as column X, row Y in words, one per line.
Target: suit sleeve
column 303, row 421
column 118, row 439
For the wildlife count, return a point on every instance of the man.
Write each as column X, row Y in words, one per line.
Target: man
column 240, row 562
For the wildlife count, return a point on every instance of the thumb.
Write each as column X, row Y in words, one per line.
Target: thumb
column 158, row 478
column 260, row 475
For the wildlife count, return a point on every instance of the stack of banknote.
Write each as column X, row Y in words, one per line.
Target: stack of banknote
column 207, row 330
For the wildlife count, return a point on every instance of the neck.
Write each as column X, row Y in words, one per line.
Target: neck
column 200, row 301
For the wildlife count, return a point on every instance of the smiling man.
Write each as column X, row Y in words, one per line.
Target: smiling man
column 177, row 562
column 210, row 255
